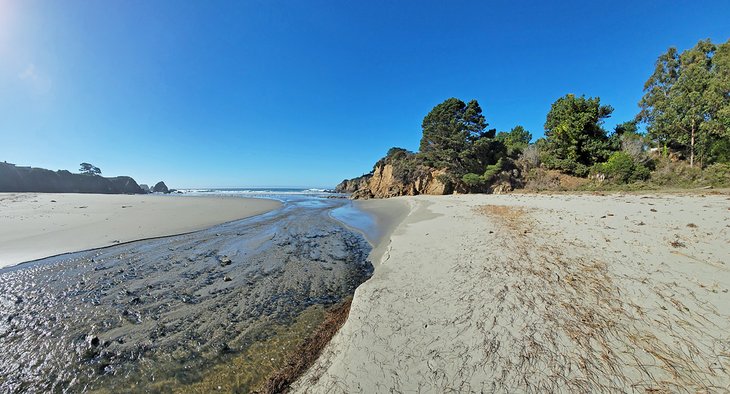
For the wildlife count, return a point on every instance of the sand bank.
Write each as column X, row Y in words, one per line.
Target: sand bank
column 541, row 293
column 35, row 225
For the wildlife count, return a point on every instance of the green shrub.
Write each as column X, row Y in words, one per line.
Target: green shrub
column 618, row 168
column 640, row 173
column 717, row 175
column 473, row 180
column 493, row 170
column 670, row 173
column 621, row 168
column 720, row 151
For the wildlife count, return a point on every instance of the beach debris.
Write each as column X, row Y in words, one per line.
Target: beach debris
column 677, row 244
column 225, row 348
column 53, row 200
column 653, row 210
column 93, row 341
column 691, row 225
column 224, row 260
column 227, row 278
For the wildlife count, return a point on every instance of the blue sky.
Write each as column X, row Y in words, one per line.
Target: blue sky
column 306, row 93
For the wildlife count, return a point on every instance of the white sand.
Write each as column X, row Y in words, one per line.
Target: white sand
column 33, row 226
column 570, row 293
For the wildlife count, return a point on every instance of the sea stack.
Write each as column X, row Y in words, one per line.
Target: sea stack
column 160, row 187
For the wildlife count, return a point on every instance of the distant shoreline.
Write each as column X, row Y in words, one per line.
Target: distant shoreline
column 39, row 225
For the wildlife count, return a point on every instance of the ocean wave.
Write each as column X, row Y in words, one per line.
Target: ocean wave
column 257, row 191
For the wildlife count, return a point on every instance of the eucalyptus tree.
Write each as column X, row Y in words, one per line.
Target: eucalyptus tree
column 686, row 102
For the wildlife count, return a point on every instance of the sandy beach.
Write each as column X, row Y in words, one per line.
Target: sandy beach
column 37, row 225
column 541, row 293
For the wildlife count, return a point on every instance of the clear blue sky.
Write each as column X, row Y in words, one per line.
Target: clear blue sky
column 305, row 93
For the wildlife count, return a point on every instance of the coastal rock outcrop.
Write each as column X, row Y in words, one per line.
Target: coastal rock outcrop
column 354, row 184
column 29, row 179
column 382, row 183
column 160, row 187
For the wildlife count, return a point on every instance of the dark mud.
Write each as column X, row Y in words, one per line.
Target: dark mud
column 123, row 317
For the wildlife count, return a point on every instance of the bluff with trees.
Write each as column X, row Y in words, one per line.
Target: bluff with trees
column 29, row 179
column 457, row 154
column 685, row 110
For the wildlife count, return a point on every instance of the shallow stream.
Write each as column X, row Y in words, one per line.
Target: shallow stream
column 127, row 317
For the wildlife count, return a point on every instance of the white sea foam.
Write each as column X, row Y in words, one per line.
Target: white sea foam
column 256, row 191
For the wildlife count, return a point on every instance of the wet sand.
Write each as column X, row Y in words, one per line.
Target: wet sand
column 542, row 293
column 165, row 314
column 38, row 225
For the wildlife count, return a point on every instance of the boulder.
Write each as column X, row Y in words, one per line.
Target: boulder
column 145, row 188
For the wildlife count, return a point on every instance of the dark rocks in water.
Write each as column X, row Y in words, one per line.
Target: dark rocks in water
column 28, row 179
column 160, row 187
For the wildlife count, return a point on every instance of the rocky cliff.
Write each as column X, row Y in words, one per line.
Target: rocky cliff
column 382, row 183
column 28, row 179
column 354, row 184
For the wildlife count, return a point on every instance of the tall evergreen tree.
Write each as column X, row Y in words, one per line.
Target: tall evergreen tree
column 575, row 138
column 449, row 130
column 516, row 140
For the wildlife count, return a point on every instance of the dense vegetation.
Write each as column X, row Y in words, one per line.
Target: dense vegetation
column 685, row 110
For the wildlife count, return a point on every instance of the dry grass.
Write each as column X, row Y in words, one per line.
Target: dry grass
column 561, row 322
column 551, row 180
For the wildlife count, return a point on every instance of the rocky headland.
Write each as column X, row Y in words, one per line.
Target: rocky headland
column 26, row 179
column 30, row 179
column 382, row 183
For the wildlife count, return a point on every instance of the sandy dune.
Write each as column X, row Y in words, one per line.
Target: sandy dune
column 538, row 293
column 35, row 225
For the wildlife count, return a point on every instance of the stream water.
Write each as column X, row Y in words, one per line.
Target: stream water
column 125, row 317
